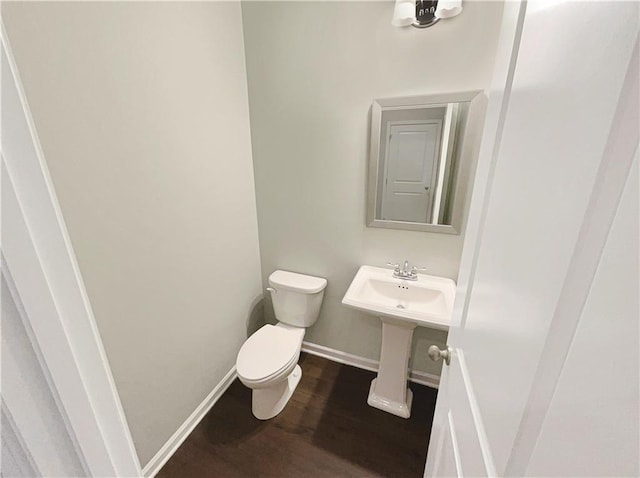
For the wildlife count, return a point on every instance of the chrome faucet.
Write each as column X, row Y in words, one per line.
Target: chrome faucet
column 407, row 272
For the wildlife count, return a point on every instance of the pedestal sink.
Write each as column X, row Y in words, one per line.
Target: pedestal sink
column 402, row 305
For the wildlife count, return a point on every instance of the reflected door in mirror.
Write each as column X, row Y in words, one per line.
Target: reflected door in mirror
column 411, row 171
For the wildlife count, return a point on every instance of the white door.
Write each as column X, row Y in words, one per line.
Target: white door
column 35, row 438
column 411, row 162
column 540, row 322
column 60, row 411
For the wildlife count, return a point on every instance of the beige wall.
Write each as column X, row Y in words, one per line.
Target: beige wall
column 313, row 70
column 142, row 112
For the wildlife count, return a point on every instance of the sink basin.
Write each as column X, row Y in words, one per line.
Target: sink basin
column 401, row 305
column 427, row 301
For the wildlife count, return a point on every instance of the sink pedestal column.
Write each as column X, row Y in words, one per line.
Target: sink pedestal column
column 389, row 390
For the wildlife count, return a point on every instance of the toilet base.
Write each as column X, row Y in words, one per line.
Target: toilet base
column 267, row 402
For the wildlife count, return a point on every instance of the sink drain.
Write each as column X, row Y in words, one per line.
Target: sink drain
column 400, row 306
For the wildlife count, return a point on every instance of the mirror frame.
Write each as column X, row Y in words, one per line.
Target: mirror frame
column 411, row 102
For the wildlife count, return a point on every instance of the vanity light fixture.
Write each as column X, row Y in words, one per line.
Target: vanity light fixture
column 424, row 13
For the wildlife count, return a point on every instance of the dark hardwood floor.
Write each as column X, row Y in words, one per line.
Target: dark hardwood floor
column 326, row 430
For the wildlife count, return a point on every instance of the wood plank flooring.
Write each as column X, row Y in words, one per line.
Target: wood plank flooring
column 326, row 430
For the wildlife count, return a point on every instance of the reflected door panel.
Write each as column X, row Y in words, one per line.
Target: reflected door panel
column 411, row 172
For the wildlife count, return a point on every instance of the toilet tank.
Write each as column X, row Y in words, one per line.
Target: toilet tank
column 296, row 297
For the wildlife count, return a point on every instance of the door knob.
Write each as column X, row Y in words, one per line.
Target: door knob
column 436, row 354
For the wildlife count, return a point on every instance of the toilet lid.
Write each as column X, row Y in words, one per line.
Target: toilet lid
column 268, row 351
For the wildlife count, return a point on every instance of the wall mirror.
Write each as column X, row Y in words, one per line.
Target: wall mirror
column 417, row 170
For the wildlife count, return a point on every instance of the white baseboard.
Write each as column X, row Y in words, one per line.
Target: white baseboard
column 423, row 378
column 169, row 448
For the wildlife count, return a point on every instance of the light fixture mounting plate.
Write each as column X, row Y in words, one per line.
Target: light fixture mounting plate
column 425, row 13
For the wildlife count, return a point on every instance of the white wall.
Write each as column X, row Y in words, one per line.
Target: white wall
column 142, row 112
column 314, row 69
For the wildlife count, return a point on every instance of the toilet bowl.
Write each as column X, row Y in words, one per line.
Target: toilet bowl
column 267, row 362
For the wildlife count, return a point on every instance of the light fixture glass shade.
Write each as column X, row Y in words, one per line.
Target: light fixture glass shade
column 404, row 13
column 448, row 8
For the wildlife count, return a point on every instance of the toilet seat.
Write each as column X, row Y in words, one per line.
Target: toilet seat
column 269, row 354
column 266, row 382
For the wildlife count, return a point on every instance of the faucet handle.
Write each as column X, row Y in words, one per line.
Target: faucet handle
column 414, row 270
column 396, row 267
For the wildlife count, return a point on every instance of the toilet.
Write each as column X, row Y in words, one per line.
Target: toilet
column 268, row 361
